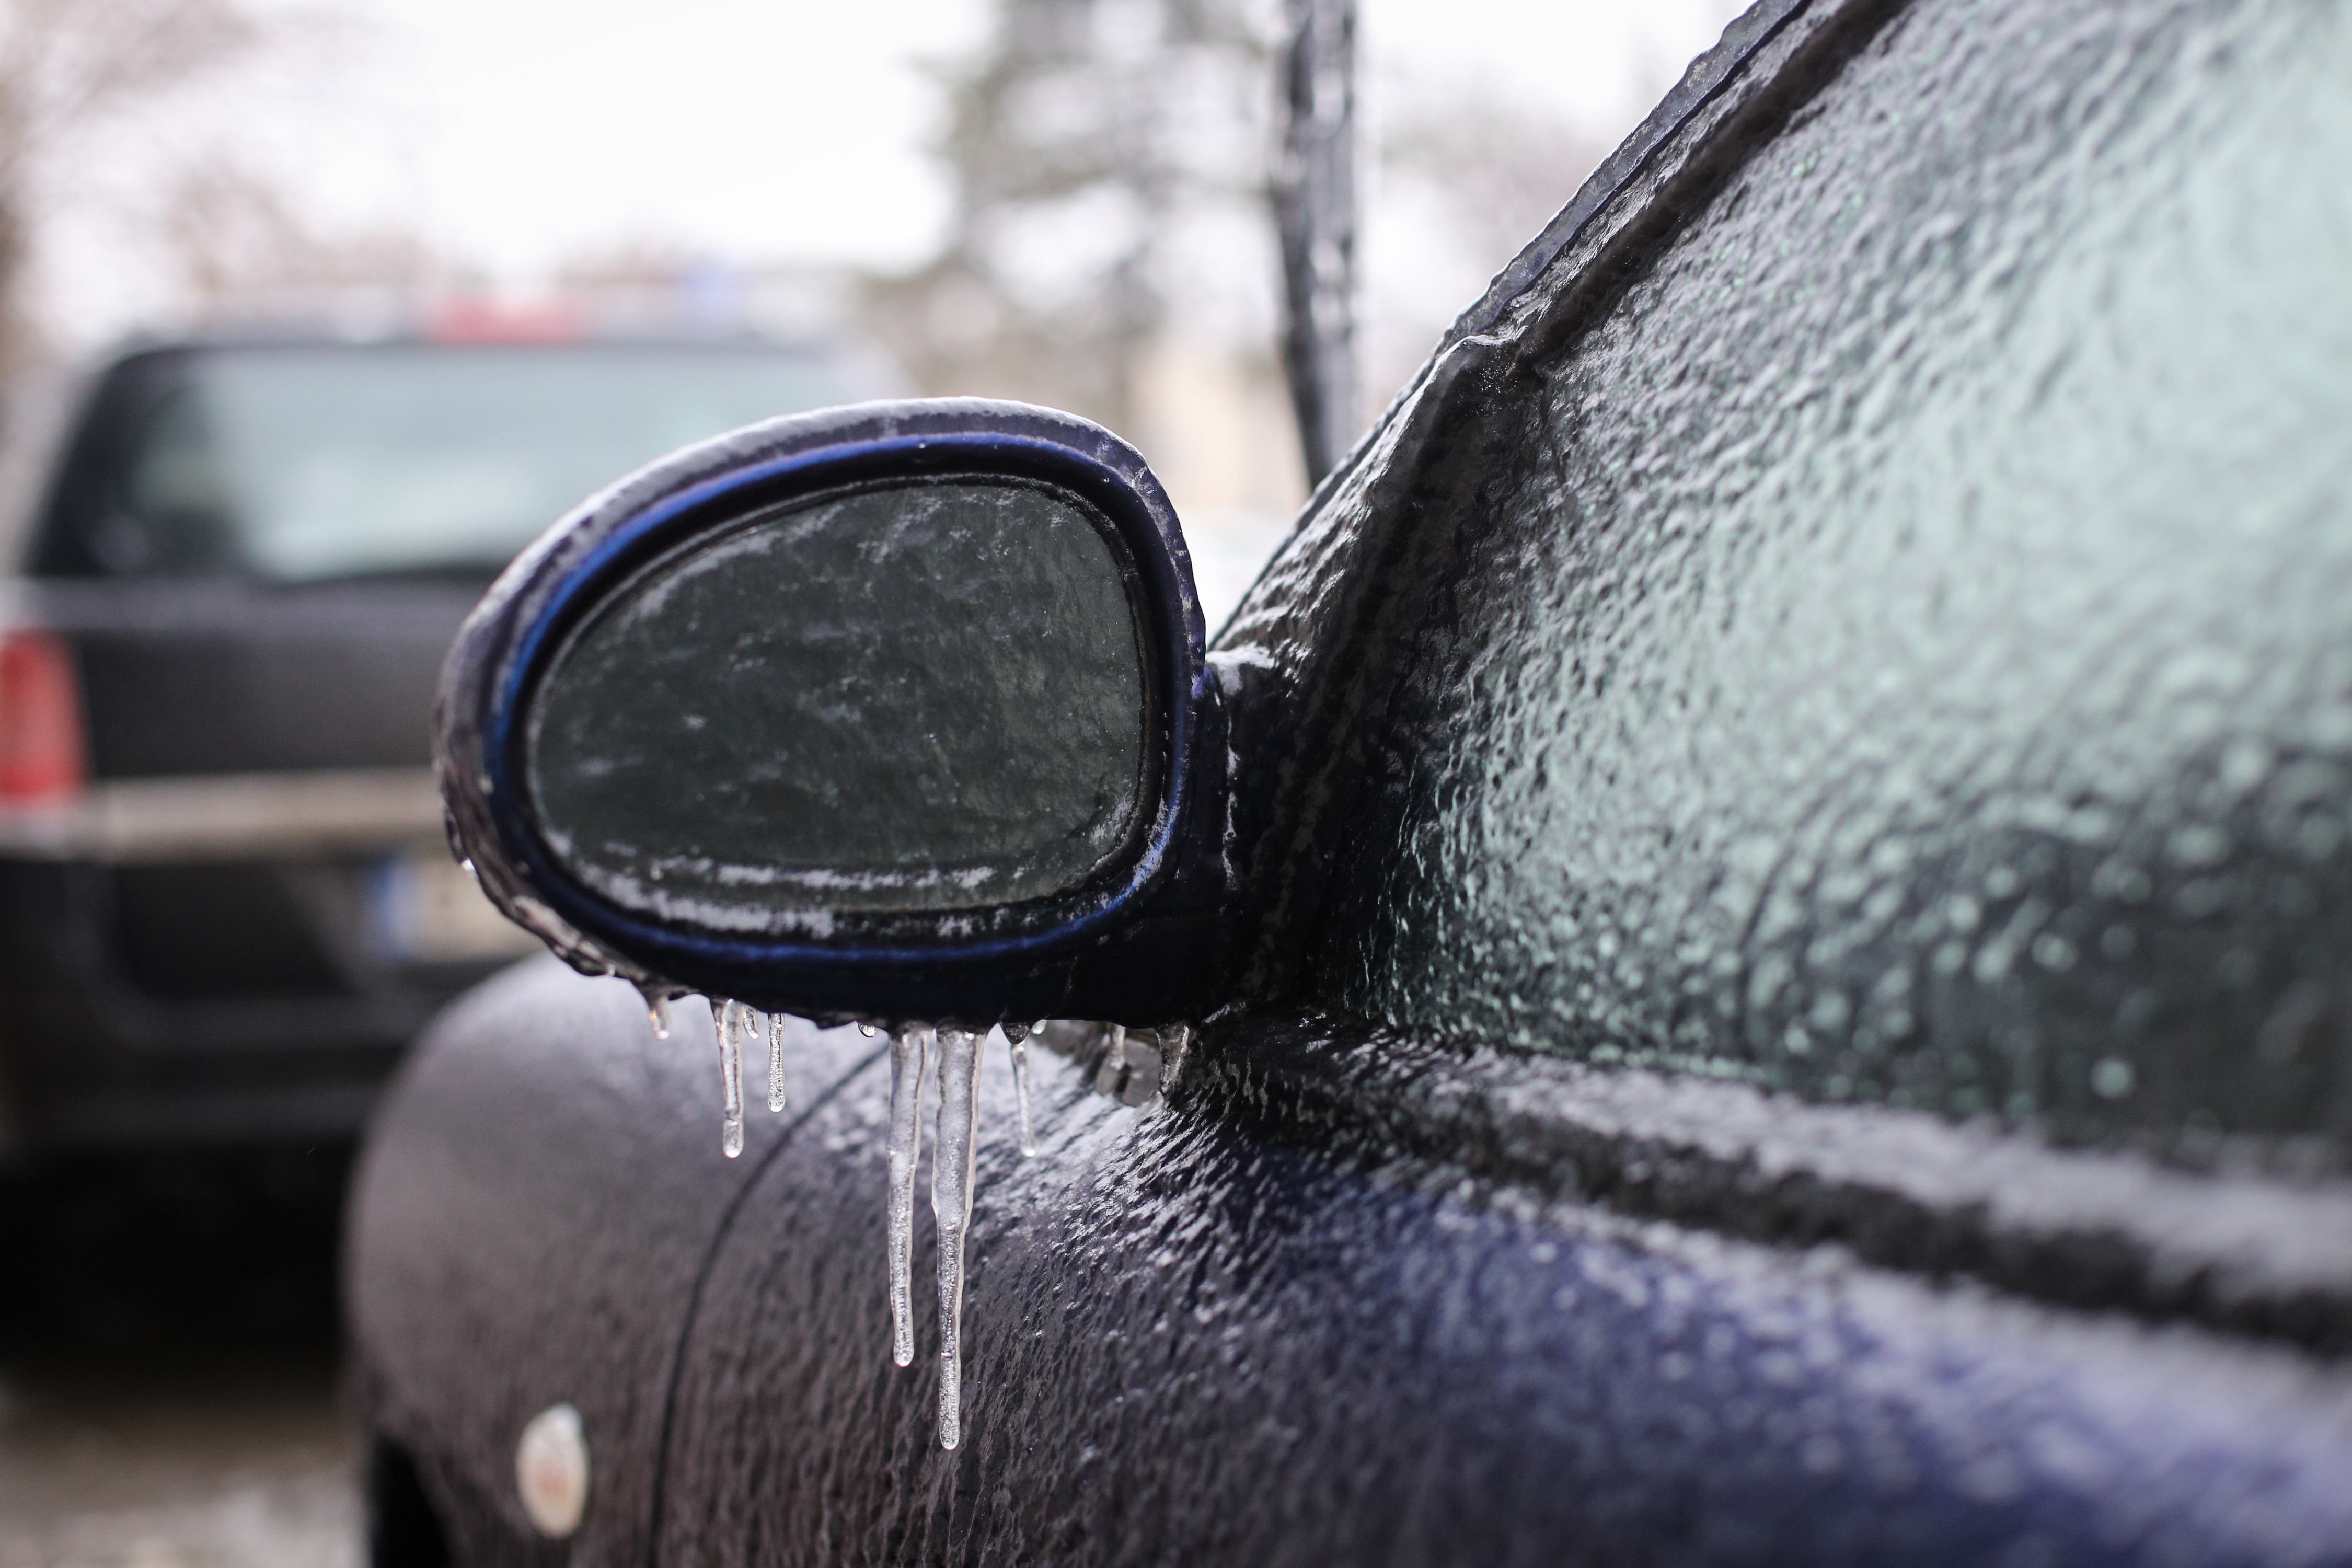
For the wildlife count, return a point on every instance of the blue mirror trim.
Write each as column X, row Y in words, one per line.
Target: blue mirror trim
column 489, row 679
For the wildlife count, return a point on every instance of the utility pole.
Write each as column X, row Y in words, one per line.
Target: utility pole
column 1315, row 207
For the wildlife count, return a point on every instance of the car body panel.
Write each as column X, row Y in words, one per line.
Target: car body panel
column 505, row 1274
column 1189, row 1341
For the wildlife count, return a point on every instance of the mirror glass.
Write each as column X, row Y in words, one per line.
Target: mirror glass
column 914, row 697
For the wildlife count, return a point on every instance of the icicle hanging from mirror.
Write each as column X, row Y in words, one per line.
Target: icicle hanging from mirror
column 776, row 1099
column 734, row 1026
column 952, row 1151
column 914, row 1048
column 909, row 1047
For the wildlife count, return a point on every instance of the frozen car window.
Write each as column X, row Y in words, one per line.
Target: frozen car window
column 295, row 464
column 1899, row 652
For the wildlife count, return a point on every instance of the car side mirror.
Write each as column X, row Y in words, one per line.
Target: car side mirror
column 880, row 711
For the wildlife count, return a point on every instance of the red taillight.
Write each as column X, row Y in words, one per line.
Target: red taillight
column 475, row 320
column 40, row 720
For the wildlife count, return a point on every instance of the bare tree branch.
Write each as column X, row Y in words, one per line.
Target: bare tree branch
column 1074, row 138
column 67, row 68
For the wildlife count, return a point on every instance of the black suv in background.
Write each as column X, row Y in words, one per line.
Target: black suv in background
column 225, row 901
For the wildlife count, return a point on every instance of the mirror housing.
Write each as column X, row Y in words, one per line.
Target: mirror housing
column 896, row 710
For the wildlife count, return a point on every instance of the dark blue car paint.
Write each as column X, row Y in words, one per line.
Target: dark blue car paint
column 1190, row 1343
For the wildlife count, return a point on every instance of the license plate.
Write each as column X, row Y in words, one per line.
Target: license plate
column 426, row 910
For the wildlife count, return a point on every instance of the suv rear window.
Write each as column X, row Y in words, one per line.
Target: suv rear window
column 302, row 463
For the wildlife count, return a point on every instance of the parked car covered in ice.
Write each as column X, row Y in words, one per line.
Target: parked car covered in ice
column 1736, row 956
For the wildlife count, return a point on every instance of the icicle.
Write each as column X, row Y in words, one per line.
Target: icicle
column 869, row 1030
column 1110, row 1071
column 1175, row 1044
column 907, row 1043
column 657, row 1009
column 733, row 1025
column 775, row 1061
column 1021, row 1090
column 952, row 1158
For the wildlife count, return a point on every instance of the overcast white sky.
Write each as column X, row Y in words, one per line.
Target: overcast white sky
column 796, row 128
column 516, row 132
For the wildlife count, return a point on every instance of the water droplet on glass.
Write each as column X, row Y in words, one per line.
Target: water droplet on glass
column 734, row 1023
column 951, row 1168
column 909, row 1048
column 2054, row 952
column 775, row 1062
column 2112, row 1077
